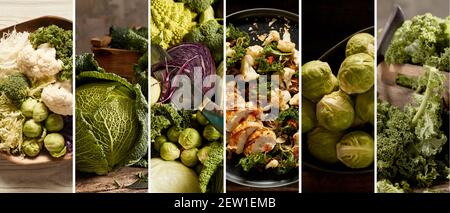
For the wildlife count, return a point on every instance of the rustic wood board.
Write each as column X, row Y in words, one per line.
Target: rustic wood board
column 110, row 183
column 49, row 178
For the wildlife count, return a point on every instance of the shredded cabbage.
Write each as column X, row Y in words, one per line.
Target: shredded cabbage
column 11, row 44
column 11, row 122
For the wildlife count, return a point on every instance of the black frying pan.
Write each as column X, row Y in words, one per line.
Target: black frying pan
column 244, row 20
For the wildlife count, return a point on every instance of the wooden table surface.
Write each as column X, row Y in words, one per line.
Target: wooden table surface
column 55, row 177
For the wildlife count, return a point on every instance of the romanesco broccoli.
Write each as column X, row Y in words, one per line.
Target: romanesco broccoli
column 170, row 22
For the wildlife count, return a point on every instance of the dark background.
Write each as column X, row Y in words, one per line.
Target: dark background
column 238, row 5
column 325, row 23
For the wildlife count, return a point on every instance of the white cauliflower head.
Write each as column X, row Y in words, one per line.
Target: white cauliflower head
column 40, row 63
column 58, row 98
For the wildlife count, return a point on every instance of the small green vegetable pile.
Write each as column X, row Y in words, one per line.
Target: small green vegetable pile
column 423, row 40
column 412, row 150
column 187, row 142
column 337, row 112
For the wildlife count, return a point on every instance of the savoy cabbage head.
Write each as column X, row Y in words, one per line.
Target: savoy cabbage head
column 111, row 122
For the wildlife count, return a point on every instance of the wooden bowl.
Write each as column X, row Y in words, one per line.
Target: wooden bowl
column 118, row 61
column 30, row 26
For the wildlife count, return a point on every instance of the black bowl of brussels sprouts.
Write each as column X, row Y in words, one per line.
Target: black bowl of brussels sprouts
column 333, row 148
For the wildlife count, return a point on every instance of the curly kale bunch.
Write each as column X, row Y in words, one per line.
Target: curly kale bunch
column 423, row 40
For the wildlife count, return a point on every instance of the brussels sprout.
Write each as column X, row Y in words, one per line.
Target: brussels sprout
column 27, row 107
column 203, row 153
column 360, row 43
column 356, row 74
column 31, row 148
column 356, row 150
column 364, row 106
column 201, row 118
column 32, row 129
column 54, row 123
column 189, row 157
column 210, row 133
column 317, row 79
column 190, row 138
column 335, row 111
column 40, row 112
column 309, row 120
column 322, row 144
column 169, row 151
column 173, row 133
column 54, row 143
column 159, row 141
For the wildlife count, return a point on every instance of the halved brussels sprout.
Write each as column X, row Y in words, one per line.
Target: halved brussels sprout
column 356, row 74
column 335, row 111
column 317, row 79
column 356, row 150
column 322, row 144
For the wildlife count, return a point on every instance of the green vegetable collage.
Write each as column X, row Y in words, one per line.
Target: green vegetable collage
column 215, row 96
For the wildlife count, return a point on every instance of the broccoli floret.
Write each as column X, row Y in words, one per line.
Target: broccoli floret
column 15, row 87
column 209, row 33
column 198, row 6
column 213, row 161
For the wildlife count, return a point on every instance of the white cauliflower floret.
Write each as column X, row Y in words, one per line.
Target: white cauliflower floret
column 286, row 35
column 280, row 98
column 294, row 100
column 273, row 36
column 58, row 98
column 286, row 46
column 40, row 63
column 255, row 51
column 272, row 164
column 230, row 52
column 247, row 70
column 287, row 76
column 294, row 57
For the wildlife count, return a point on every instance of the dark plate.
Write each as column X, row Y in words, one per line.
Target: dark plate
column 244, row 20
column 334, row 57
